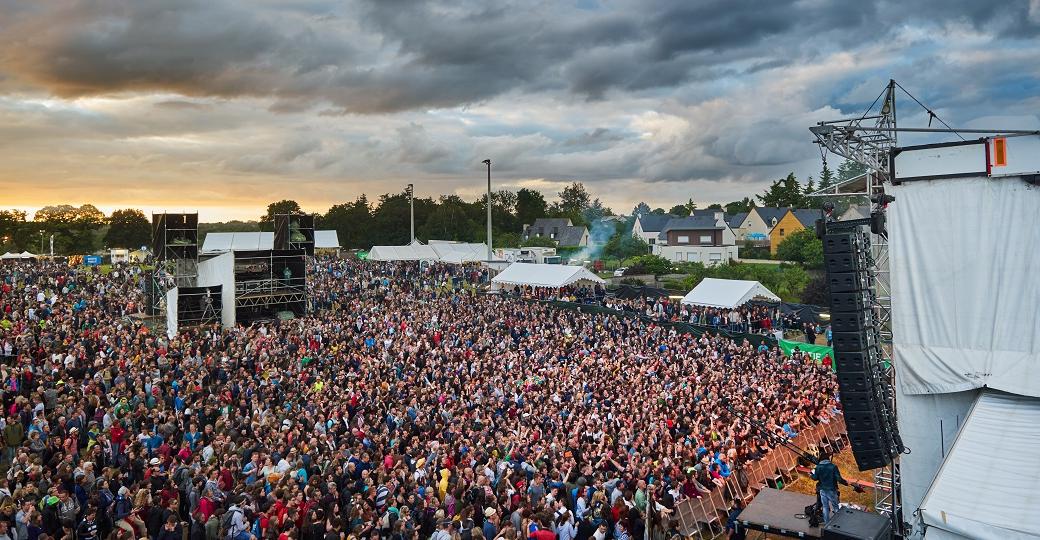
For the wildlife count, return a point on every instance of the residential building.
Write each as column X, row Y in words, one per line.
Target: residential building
column 701, row 238
column 737, row 225
column 794, row 220
column 559, row 230
column 760, row 221
column 648, row 226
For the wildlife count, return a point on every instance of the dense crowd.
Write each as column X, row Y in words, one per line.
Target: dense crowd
column 407, row 406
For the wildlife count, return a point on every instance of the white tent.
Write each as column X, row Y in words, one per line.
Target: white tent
column 543, row 275
column 459, row 252
column 10, row 255
column 727, row 293
column 415, row 251
column 989, row 487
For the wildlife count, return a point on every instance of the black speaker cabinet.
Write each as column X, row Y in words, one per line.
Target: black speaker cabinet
column 851, row 524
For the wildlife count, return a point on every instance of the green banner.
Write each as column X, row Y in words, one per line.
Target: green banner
column 816, row 352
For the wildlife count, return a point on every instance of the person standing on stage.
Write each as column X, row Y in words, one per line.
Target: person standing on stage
column 827, row 478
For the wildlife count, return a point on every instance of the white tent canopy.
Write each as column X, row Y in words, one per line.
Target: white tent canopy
column 543, row 275
column 441, row 251
column 995, row 444
column 27, row 255
column 727, row 293
column 10, row 255
column 415, row 251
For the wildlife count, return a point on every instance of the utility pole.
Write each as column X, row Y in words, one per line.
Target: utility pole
column 411, row 211
column 488, row 163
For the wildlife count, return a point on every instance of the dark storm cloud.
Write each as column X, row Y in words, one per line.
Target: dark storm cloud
column 377, row 56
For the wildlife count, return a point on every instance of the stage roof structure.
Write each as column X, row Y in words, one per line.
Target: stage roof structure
column 552, row 276
column 727, row 293
column 977, row 494
column 223, row 242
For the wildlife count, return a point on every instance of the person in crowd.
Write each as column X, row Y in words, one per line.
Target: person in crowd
column 403, row 405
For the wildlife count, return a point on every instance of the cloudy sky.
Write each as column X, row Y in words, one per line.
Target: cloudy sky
column 222, row 106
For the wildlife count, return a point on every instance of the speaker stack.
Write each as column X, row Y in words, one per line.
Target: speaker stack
column 865, row 393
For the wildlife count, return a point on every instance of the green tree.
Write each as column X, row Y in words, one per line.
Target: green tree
column 679, row 210
column 12, row 224
column 623, row 246
column 595, row 211
column 539, row 241
column 744, row 205
column 450, row 220
column 850, row 169
column 649, row 264
column 503, row 212
column 281, row 207
column 716, row 206
column 75, row 229
column 351, row 222
column 826, row 177
column 784, row 192
column 658, row 211
column 575, row 198
column 641, row 209
column 530, row 205
column 802, row 246
column 128, row 228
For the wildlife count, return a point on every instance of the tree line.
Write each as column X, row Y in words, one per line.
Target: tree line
column 363, row 223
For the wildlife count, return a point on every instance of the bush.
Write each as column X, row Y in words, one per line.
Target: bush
column 751, row 251
column 802, row 246
column 539, row 241
column 648, row 264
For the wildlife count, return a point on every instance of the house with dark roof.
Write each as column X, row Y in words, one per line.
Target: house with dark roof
column 559, row 230
column 794, row 220
column 648, row 226
column 704, row 237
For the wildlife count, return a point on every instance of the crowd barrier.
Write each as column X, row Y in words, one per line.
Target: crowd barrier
column 706, row 517
column 684, row 327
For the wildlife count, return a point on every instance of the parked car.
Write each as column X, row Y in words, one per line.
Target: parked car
column 620, row 272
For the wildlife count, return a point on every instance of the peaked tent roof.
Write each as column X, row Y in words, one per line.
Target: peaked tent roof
column 416, row 251
column 10, row 255
column 27, row 255
column 460, row 252
column 544, row 275
column 1004, row 506
column 727, row 293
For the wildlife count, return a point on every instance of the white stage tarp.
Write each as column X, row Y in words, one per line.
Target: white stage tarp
column 221, row 242
column 459, row 252
column 727, row 293
column 543, row 275
column 326, row 240
column 171, row 312
column 220, row 270
column 989, row 485
column 965, row 296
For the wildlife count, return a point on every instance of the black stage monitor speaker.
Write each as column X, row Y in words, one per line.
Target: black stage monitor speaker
column 850, row 524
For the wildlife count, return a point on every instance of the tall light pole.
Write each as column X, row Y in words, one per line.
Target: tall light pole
column 411, row 211
column 488, row 163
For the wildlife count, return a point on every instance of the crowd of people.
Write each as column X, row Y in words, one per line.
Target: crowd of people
column 404, row 406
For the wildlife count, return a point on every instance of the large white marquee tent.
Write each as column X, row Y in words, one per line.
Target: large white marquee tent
column 551, row 276
column 727, row 293
column 436, row 250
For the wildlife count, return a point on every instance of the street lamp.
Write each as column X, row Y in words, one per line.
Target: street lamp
column 410, row 190
column 488, row 163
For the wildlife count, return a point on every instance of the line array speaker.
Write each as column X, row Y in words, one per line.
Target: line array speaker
column 865, row 393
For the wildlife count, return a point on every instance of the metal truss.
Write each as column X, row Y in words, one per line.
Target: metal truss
column 260, row 300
